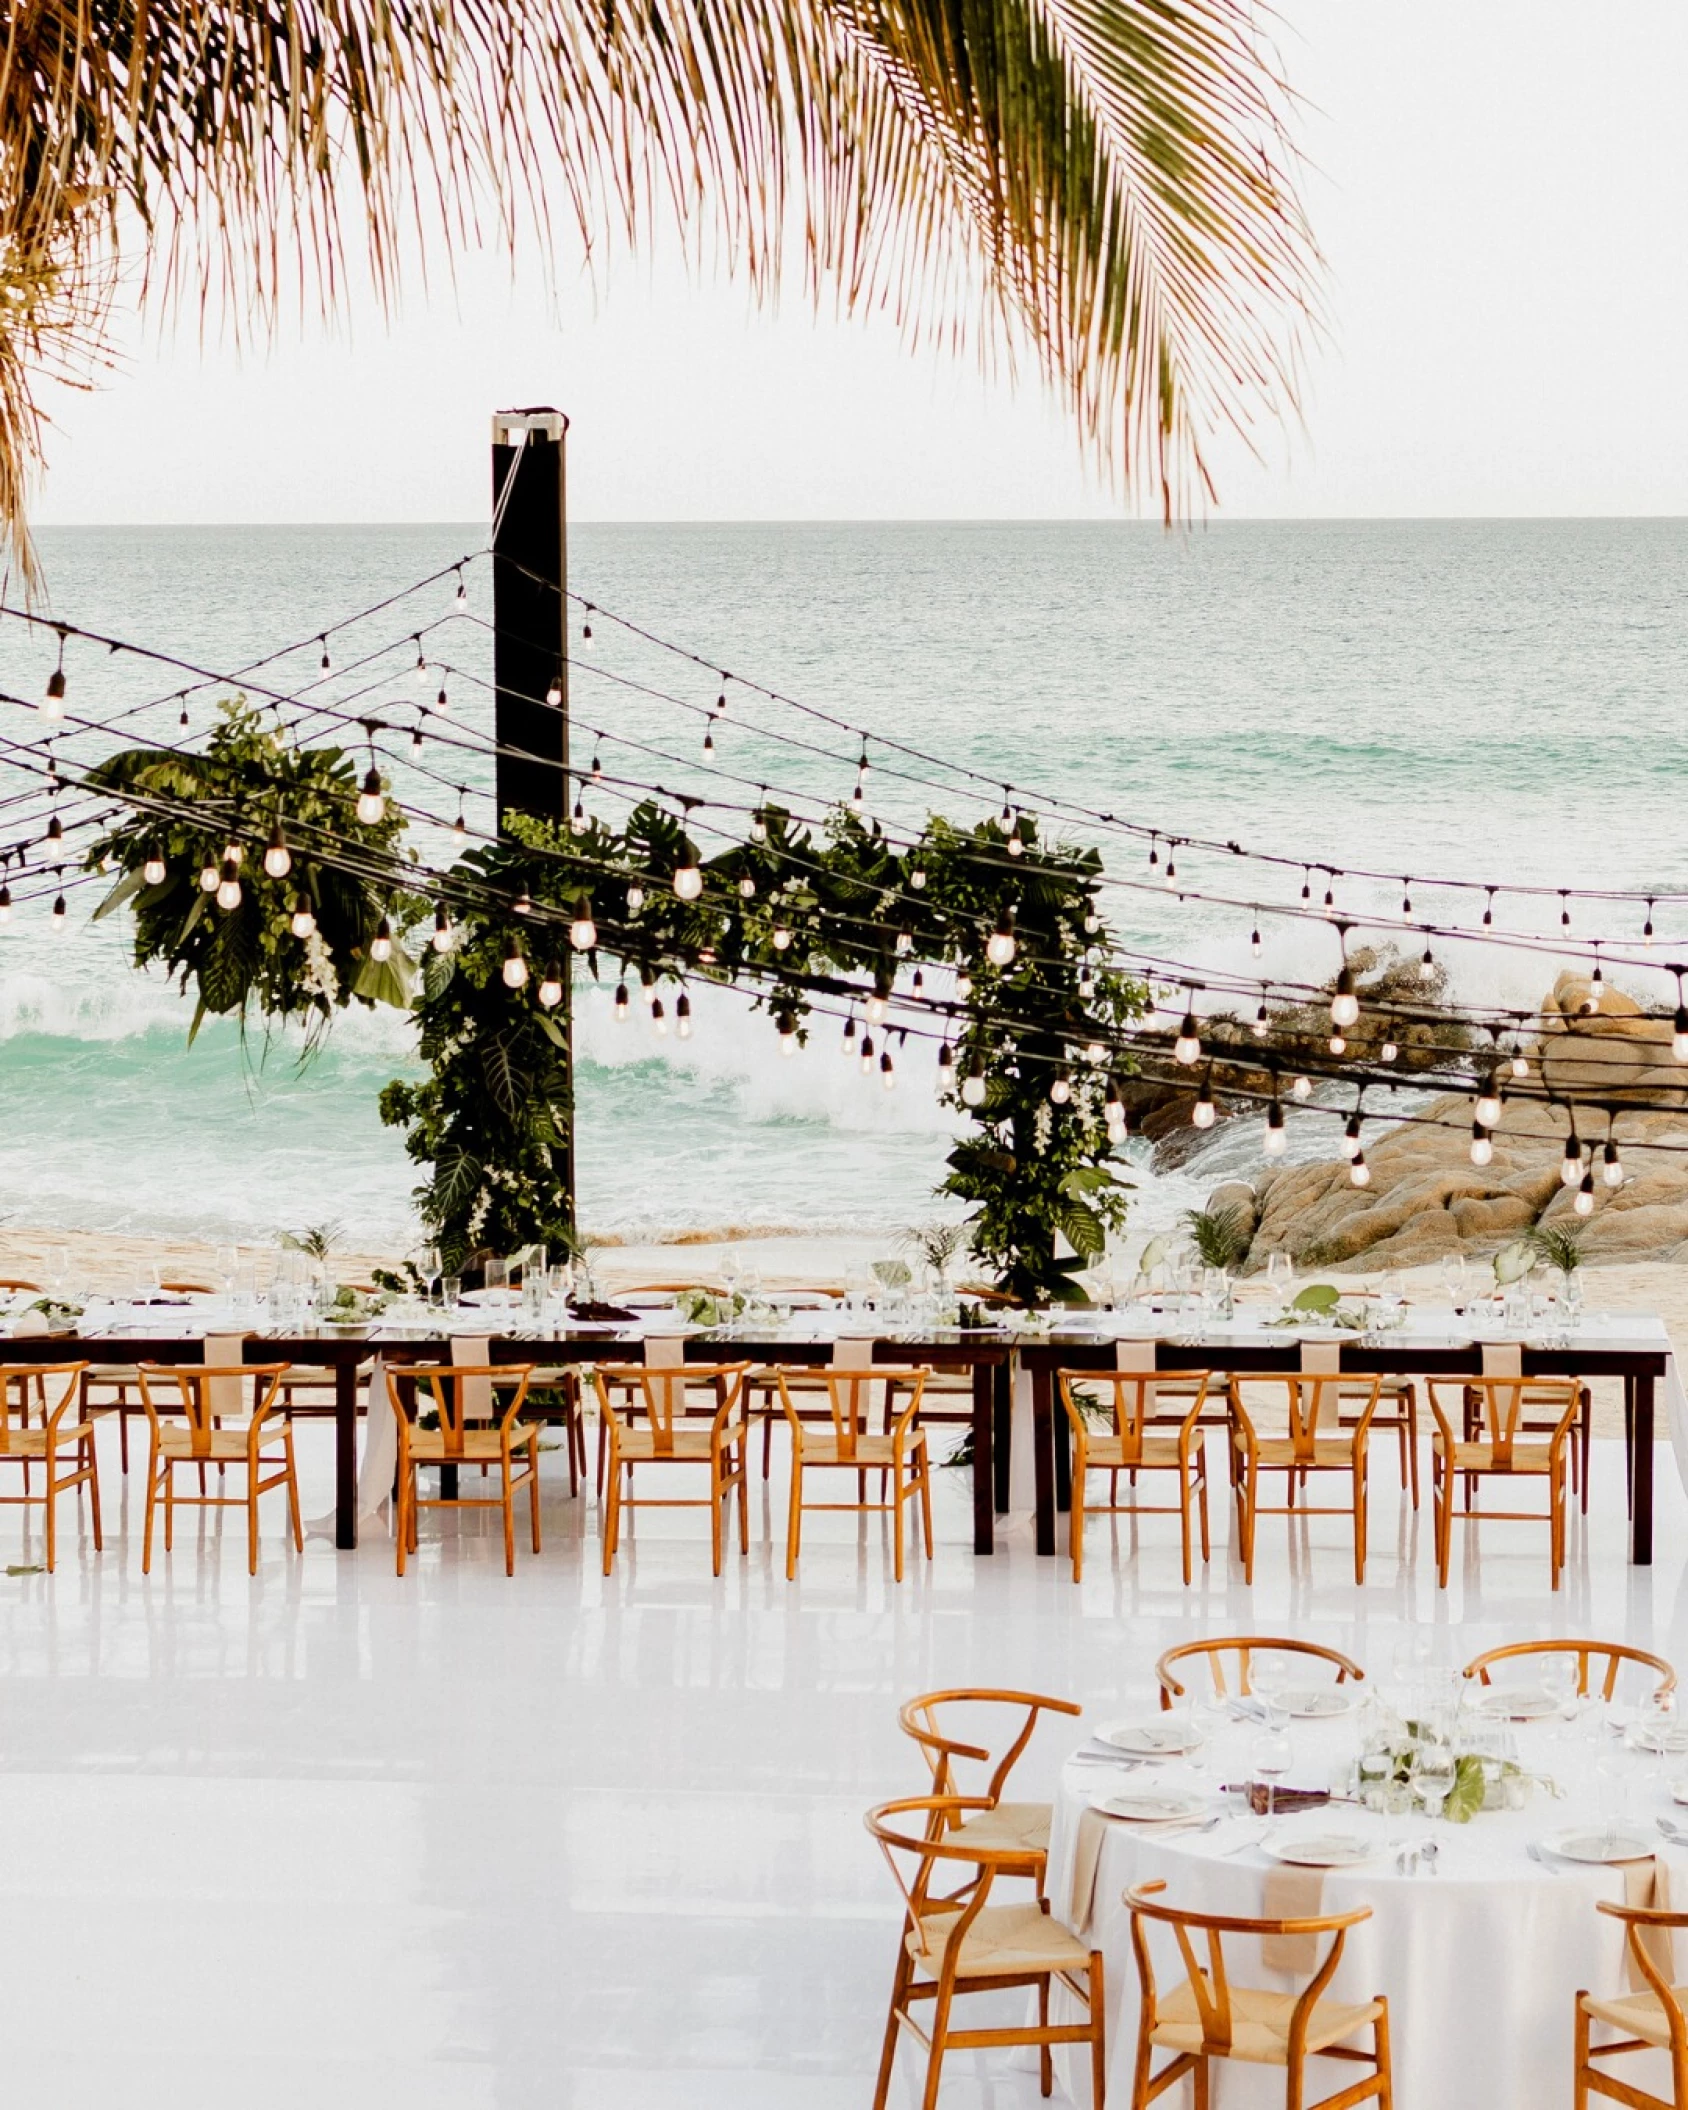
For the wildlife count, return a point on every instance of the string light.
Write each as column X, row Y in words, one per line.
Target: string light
column 1302, row 1088
column 1427, row 966
column 323, row 641
column 421, row 656
column 1262, row 1019
column 1489, row 1104
column 597, row 768
column 459, row 827
column 620, row 1006
column 371, row 805
column 1351, row 1136
column 788, row 1033
column 850, row 1033
column 963, row 986
column 688, row 882
column 917, row 878
column 1060, row 1087
column 53, row 706
column 441, row 940
column 1647, row 928
column 1584, row 1203
column 1612, row 1170
column 1275, row 1139
column 586, row 629
column 781, row 937
column 1254, row 944
column 635, row 898
column 153, row 871
column 381, row 945
column 946, row 1069
column 1388, row 1052
column 61, row 916
column 1489, row 910
column 462, row 589
column 659, row 1018
column 1570, row 1166
column 683, row 1016
column 1000, row 946
column 867, row 1054
column 551, row 987
column 973, row 1084
column 1344, row 1005
column 1359, row 1172
column 758, row 826
column 278, row 859
column 747, row 888
column 887, row 1075
column 554, row 694
column 1187, row 1048
column 875, row 1005
column 1204, row 1113
column 5, row 904
column 1482, row 1149
column 1338, row 1045
column 182, row 720
column 583, row 932
column 515, row 965
column 577, row 819
column 303, row 924
column 55, row 830
column 1679, row 1028
column 208, row 878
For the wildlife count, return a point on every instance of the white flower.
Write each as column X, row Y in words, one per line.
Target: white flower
column 318, row 975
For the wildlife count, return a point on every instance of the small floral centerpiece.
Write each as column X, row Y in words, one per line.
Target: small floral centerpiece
column 707, row 1307
column 1426, row 1764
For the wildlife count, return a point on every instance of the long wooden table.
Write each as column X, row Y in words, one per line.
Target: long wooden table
column 1640, row 1368
column 986, row 1357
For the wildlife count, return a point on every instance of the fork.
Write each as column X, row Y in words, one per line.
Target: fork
column 1539, row 1856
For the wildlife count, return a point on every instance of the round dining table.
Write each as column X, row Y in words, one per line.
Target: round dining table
column 1481, row 1946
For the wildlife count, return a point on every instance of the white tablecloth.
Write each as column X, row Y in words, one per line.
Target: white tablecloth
column 1481, row 1962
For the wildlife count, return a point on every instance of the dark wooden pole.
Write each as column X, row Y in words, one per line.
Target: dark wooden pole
column 530, row 655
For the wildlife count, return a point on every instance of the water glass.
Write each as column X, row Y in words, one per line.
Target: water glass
column 495, row 1280
column 1434, row 1772
column 1454, row 1280
column 1270, row 1757
column 1280, row 1276
column 451, row 1290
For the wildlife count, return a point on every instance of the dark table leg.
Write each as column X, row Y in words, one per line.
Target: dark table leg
column 1002, row 1397
column 1043, row 1457
column 1629, row 1446
column 984, row 1463
column 1641, row 1471
column 1063, row 1455
column 346, row 1455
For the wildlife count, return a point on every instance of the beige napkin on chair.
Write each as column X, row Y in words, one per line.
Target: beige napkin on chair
column 1321, row 1358
column 1503, row 1359
column 1134, row 1357
column 1087, row 1856
column 474, row 1348
column 226, row 1397
column 853, row 1354
column 664, row 1351
column 1292, row 1894
column 1647, row 1889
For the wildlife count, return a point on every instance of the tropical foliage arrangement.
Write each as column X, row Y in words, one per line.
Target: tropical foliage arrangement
column 803, row 920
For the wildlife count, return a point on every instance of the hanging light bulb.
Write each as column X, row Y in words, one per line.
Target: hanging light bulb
column 688, row 881
column 523, row 904
column 973, row 1084
column 1596, row 985
column 1344, row 1005
column 875, row 1006
column 683, row 1016
column 1014, row 845
column 917, row 879
column 1612, row 1169
column 278, row 858
column 1679, row 1034
column 850, row 1034
column 709, row 740
column 1488, row 1107
column 371, row 804
column 53, row 707
column 208, row 877
column 381, row 945
column 1204, row 1113
column 1254, row 944
column 5, row 905
column 153, row 871
column 1000, row 947
column 1095, row 1053
column 946, row 1069
column 55, row 830
column 1427, row 966
column 304, row 920
column 1584, row 1203
column 1520, row 1064
column 963, row 986
column 1275, row 1139
column 635, row 898
column 887, row 1075
column 324, row 660
column 782, row 938
column 1262, row 1023
column 515, row 966
column 758, row 826
column 1489, row 910
column 421, row 657
column 1406, row 897
column 583, row 932
column 551, row 987
column 747, row 888
column 183, row 718
column 1338, row 1046
column 1359, row 1172
column 1388, row 1051
column 60, row 921
column 228, row 885
column 1351, row 1137
column 1647, row 927
column 1086, row 985
column 1171, row 868
column 578, row 823
column 621, row 1004
column 586, row 630
column 441, row 940
column 1570, row 1166
column 554, row 694
column 459, row 830
column 1482, row 1149
column 659, row 1018
column 867, row 1054
column 1302, row 1088
column 462, row 590
column 1060, row 1088
column 788, row 1033
column 905, row 942
column 1187, row 1048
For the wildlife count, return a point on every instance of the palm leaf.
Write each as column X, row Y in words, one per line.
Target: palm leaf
column 1106, row 183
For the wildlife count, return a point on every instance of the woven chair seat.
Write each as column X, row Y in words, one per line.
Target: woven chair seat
column 1260, row 2024
column 1004, row 1941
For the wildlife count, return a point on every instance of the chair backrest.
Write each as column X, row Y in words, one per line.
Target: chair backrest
column 192, row 1390
column 20, row 1382
column 18, row 1282
column 1313, row 1404
column 1240, row 1650
column 923, row 1853
column 658, row 1395
column 1128, row 1401
column 849, row 1395
column 1500, row 1402
column 458, row 1393
column 1610, row 1656
column 188, row 1286
column 930, row 1720
column 1210, row 1982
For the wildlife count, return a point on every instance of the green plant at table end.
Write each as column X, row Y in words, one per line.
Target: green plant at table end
column 1556, row 1245
column 1220, row 1236
column 316, row 1241
column 939, row 1245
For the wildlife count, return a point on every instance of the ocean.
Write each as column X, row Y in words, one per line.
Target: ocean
column 1496, row 701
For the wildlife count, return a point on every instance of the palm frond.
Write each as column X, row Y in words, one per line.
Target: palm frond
column 1106, row 182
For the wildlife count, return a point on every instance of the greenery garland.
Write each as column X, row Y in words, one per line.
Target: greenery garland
column 804, row 917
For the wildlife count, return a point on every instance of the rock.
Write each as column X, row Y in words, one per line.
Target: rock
column 1239, row 1196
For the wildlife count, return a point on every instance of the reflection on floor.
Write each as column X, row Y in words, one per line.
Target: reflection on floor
column 455, row 1841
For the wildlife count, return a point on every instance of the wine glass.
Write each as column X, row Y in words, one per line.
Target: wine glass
column 228, row 1267
column 1269, row 1681
column 58, row 1271
column 1559, row 1681
column 1454, row 1281
column 1434, row 1773
column 1271, row 1755
column 494, row 1280
column 1280, row 1276
column 430, row 1270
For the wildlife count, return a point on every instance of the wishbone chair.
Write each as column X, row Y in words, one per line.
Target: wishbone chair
column 1649, row 2019
column 1498, row 1454
column 1004, row 1827
column 1129, row 1444
column 54, row 1445
column 184, row 1420
column 1244, row 1647
column 1612, row 1653
column 848, row 1442
column 1316, row 1444
column 647, row 1426
column 472, row 1430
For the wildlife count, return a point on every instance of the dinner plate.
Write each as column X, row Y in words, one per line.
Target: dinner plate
column 1601, row 1847
column 1313, row 1703
column 1324, row 1849
column 1154, row 1805
column 1674, row 1741
column 1170, row 1738
column 1520, row 1704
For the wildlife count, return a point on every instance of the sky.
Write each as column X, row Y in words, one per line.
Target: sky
column 1500, row 190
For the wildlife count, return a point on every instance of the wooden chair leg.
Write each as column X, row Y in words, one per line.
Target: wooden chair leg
column 507, row 1507
column 533, row 1487
column 169, row 1507
column 794, row 1517
column 612, row 1513
column 1201, row 1497
column 252, row 1520
column 935, row 2059
column 893, row 2028
column 1360, row 1523
column 897, row 1530
column 1075, row 1519
column 152, row 1500
column 94, row 1493
column 401, row 1509
column 52, row 1515
column 1045, row 2061
column 926, row 1496
column 718, row 1495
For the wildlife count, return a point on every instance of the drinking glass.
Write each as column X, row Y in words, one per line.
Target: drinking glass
column 1271, row 1755
column 496, row 1277
column 1613, row 1779
column 1390, row 1302
column 1454, row 1280
column 1434, row 1771
column 430, row 1271
column 1280, row 1276
column 1655, row 1727
column 1269, row 1678
column 1571, row 1297
column 451, row 1290
column 227, row 1267
column 1559, row 1682
column 58, row 1271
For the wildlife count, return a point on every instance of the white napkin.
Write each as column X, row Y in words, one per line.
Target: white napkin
column 477, row 1392
column 29, row 1325
column 853, row 1354
column 1321, row 1358
column 225, row 1397
column 1503, row 1359
column 664, row 1351
column 1135, row 1356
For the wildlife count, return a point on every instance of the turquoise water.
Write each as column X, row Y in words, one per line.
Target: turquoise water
column 1495, row 700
